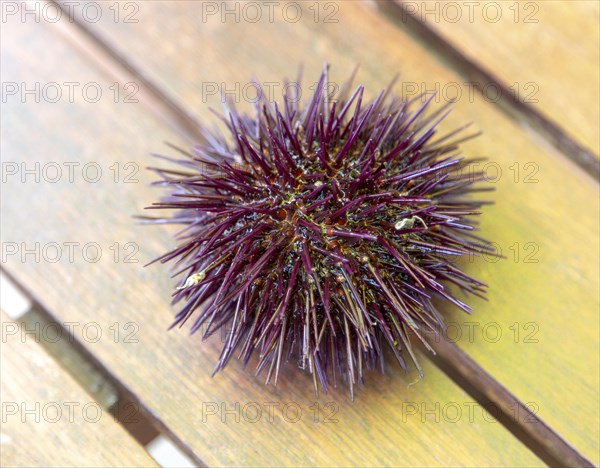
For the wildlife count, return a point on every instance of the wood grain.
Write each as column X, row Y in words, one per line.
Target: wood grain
column 538, row 334
column 546, row 53
column 48, row 420
column 507, row 98
column 170, row 372
column 520, row 418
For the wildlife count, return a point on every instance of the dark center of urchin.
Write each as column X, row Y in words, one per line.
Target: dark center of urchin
column 323, row 231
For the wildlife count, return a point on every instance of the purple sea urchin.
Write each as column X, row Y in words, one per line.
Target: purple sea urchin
column 325, row 230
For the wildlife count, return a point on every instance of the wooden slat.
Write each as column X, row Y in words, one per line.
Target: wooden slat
column 170, row 372
column 48, row 420
column 546, row 208
column 545, row 52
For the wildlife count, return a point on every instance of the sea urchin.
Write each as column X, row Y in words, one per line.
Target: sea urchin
column 323, row 231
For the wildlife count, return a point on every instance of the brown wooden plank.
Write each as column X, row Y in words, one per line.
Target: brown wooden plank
column 484, row 81
column 48, row 420
column 539, row 295
column 169, row 372
column 545, row 53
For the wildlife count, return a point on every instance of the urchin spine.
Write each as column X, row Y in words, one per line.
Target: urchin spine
column 324, row 230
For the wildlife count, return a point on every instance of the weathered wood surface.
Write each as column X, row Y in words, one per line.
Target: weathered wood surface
column 540, row 298
column 557, row 214
column 170, row 372
column 545, row 52
column 47, row 419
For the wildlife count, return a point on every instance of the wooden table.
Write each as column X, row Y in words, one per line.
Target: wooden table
column 90, row 90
